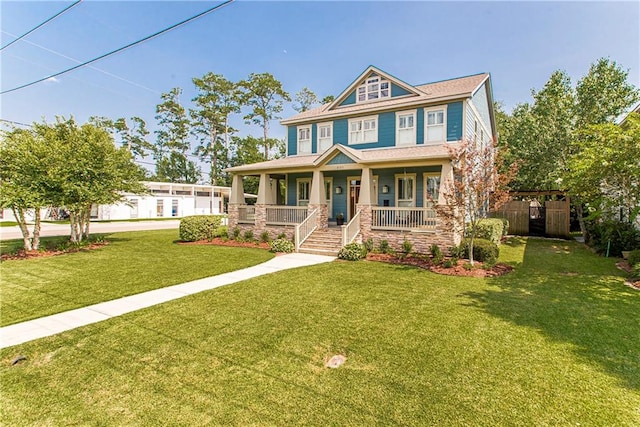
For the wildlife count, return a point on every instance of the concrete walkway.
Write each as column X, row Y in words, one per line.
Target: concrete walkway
column 45, row 326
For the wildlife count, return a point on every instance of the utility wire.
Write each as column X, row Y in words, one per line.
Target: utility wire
column 40, row 25
column 156, row 34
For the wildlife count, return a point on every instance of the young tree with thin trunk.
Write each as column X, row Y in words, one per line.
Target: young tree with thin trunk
column 305, row 99
column 264, row 95
column 479, row 185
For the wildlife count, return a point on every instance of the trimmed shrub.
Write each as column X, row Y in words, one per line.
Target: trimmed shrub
column 282, row 236
column 281, row 245
column 199, row 227
column 435, row 251
column 368, row 245
column 264, row 237
column 236, row 233
column 248, row 236
column 615, row 235
column 352, row 252
column 483, row 250
column 222, row 231
column 490, row 229
column 505, row 226
column 634, row 257
column 384, row 247
column 407, row 247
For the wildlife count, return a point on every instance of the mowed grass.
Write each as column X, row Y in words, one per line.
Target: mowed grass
column 554, row 343
column 131, row 263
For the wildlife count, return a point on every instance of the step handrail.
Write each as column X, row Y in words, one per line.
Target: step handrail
column 305, row 228
column 351, row 230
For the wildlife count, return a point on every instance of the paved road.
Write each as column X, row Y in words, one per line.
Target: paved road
column 48, row 229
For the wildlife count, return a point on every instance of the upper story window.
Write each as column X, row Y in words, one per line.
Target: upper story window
column 435, row 123
column 325, row 136
column 374, row 88
column 304, row 140
column 406, row 128
column 363, row 130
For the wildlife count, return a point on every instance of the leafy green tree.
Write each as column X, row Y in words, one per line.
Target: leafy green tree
column 132, row 136
column 24, row 168
column 264, row 95
column 216, row 99
column 86, row 168
column 172, row 140
column 606, row 171
column 305, row 99
column 327, row 99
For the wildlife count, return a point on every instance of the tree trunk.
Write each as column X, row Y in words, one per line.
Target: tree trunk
column 86, row 214
column 583, row 227
column 75, row 231
column 265, row 131
column 18, row 213
column 36, row 231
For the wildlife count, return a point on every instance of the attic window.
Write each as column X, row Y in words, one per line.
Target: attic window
column 373, row 88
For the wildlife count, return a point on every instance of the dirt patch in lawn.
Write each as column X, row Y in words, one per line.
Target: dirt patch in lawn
column 457, row 270
column 43, row 253
column 218, row 241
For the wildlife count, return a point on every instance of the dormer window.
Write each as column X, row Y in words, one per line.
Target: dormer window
column 374, row 88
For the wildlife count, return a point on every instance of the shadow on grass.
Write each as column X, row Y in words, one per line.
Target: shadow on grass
column 572, row 296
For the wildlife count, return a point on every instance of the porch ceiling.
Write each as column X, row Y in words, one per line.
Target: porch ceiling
column 370, row 157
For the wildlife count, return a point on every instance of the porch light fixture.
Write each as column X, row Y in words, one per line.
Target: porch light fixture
column 338, row 190
column 385, row 189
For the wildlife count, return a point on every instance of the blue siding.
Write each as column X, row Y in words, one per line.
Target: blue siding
column 292, row 140
column 420, row 126
column 291, row 187
column 340, row 200
column 481, row 102
column 398, row 91
column 454, row 121
column 341, row 131
column 314, row 138
column 387, row 177
column 340, row 159
column 386, row 132
column 351, row 99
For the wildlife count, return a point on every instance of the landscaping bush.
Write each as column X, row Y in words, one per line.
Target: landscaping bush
column 199, row 227
column 281, row 245
column 435, row 251
column 264, row 237
column 248, row 236
column 222, row 231
column 282, row 236
column 634, row 257
column 368, row 245
column 407, row 247
column 505, row 226
column 617, row 236
column 352, row 252
column 483, row 250
column 490, row 229
column 384, row 247
column 236, row 233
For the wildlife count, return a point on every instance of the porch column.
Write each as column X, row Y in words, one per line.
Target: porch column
column 364, row 202
column 317, row 199
column 236, row 199
column 457, row 232
column 446, row 177
column 265, row 194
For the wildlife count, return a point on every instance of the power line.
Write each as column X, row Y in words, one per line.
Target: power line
column 40, row 25
column 15, row 123
column 156, row 34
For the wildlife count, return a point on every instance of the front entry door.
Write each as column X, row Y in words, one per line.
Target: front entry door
column 354, row 195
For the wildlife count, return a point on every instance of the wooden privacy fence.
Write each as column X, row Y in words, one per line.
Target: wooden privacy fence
column 517, row 213
column 521, row 217
column 557, row 221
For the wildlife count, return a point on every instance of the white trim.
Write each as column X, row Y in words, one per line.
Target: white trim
column 348, row 193
column 319, row 127
column 414, row 199
column 366, row 89
column 298, row 182
column 330, row 199
column 362, row 130
column 308, row 128
column 444, row 109
column 425, row 177
column 414, row 114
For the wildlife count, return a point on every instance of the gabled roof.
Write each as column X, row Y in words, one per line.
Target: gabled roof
column 364, row 157
column 458, row 88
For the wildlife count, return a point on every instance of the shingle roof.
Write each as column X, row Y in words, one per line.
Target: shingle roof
column 432, row 92
column 366, row 157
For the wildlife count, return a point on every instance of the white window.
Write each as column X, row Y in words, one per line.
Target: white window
column 406, row 128
column 406, row 190
column 325, row 136
column 431, row 189
column 435, row 124
column 304, row 190
column 374, row 88
column 363, row 130
column 304, row 140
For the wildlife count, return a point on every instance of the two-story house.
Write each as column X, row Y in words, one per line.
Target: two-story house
column 376, row 156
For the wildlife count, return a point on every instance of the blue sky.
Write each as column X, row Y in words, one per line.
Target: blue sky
column 321, row 45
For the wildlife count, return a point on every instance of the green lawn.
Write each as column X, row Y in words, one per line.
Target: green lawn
column 555, row 343
column 8, row 223
column 131, row 263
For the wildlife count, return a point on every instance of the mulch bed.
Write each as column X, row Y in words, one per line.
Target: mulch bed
column 218, row 241
column 458, row 270
column 625, row 266
column 42, row 253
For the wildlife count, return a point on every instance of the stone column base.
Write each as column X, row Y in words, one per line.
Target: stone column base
column 323, row 215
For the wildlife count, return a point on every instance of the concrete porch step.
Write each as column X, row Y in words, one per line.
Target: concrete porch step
column 323, row 242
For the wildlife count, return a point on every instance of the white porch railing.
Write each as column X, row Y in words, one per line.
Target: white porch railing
column 392, row 218
column 247, row 214
column 283, row 215
column 351, row 230
column 305, row 228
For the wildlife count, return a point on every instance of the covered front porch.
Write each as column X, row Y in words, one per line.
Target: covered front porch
column 378, row 199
